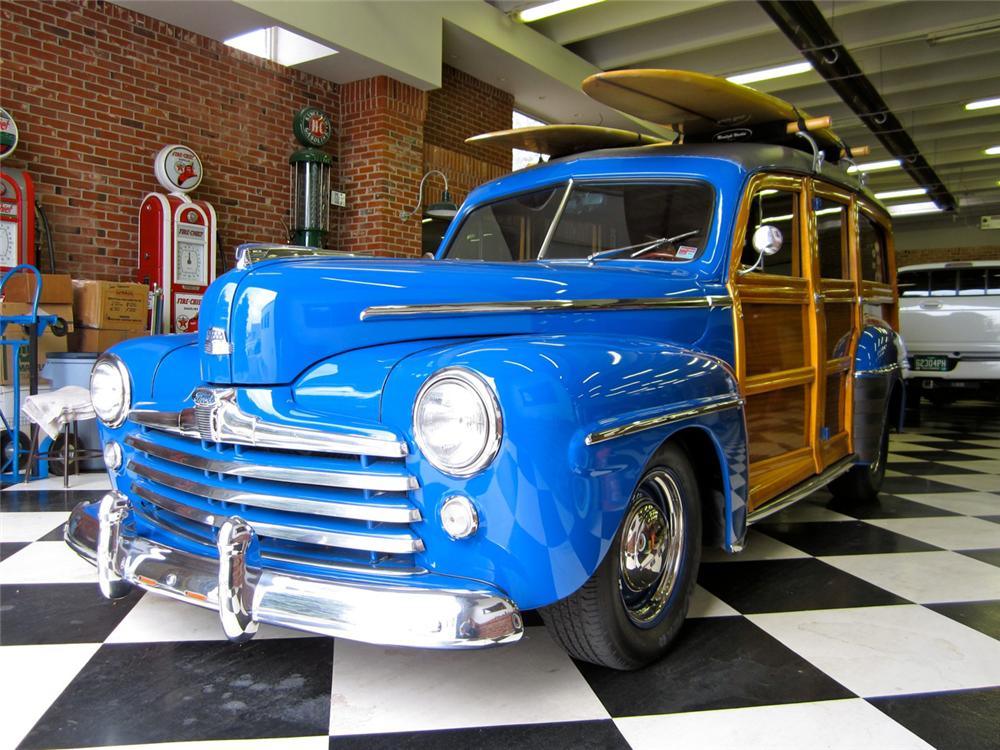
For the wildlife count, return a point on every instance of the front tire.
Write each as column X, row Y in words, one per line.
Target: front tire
column 626, row 615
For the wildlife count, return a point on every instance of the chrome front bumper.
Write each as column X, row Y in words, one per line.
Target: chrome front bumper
column 245, row 595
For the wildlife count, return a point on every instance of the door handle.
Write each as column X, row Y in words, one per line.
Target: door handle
column 930, row 305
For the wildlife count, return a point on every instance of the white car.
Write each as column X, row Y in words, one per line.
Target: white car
column 949, row 315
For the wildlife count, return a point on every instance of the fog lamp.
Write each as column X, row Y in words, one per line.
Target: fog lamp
column 459, row 518
column 112, row 455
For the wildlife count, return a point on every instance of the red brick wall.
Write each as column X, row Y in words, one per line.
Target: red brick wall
column 97, row 90
column 381, row 157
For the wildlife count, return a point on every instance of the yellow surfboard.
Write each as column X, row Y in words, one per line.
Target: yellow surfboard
column 564, row 140
column 705, row 108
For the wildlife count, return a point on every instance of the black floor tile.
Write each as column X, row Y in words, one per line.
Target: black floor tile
column 910, row 484
column 724, row 662
column 930, row 468
column 981, row 616
column 994, row 519
column 991, row 556
column 584, row 735
column 886, row 506
column 9, row 548
column 789, row 585
column 56, row 535
column 192, row 691
column 962, row 720
column 841, row 538
column 928, row 453
column 32, row 614
column 45, row 500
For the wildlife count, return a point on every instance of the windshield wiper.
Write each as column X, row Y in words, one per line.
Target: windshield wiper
column 640, row 247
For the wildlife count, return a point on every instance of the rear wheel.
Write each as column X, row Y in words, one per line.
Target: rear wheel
column 862, row 483
column 626, row 615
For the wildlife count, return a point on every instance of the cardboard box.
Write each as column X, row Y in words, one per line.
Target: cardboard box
column 111, row 305
column 57, row 289
column 63, row 311
column 46, row 343
column 98, row 339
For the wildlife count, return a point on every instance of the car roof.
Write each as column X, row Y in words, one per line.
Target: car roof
column 951, row 264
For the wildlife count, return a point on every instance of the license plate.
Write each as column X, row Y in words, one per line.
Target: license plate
column 936, row 364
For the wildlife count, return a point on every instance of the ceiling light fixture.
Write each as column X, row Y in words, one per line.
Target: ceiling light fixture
column 993, row 151
column 874, row 166
column 538, row 12
column 907, row 193
column 984, row 103
column 280, row 45
column 912, row 209
column 766, row 74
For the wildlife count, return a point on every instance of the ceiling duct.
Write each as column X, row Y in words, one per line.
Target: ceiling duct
column 805, row 26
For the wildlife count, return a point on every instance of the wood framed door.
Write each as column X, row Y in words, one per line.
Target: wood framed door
column 777, row 350
column 837, row 318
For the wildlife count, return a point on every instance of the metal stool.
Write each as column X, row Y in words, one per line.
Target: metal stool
column 37, row 408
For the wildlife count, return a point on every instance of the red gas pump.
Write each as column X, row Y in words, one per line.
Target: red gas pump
column 177, row 240
column 17, row 204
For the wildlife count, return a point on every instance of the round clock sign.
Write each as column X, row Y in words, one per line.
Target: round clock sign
column 178, row 168
column 312, row 127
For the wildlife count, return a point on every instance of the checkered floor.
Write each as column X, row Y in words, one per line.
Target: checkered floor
column 869, row 628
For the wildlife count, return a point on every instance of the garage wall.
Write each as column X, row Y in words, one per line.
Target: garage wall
column 97, row 90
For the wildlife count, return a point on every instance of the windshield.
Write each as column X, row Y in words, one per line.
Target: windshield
column 666, row 221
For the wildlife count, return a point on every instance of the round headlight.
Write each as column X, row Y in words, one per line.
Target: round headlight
column 110, row 391
column 457, row 422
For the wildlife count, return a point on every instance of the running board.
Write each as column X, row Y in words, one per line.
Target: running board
column 800, row 491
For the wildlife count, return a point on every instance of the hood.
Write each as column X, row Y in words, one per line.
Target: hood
column 282, row 316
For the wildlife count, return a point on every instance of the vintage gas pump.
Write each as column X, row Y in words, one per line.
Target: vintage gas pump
column 177, row 240
column 311, row 178
column 17, row 204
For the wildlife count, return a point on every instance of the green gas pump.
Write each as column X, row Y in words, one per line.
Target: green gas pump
column 310, row 167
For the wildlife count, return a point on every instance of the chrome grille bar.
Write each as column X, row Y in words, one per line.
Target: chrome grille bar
column 401, row 513
column 345, row 479
column 400, row 543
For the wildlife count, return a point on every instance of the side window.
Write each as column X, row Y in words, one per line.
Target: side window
column 913, row 283
column 943, row 282
column 872, row 248
column 831, row 226
column 778, row 208
column 972, row 281
column 993, row 280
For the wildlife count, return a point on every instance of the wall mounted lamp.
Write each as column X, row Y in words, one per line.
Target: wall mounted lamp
column 444, row 209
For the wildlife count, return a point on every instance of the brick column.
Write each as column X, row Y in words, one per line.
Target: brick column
column 381, row 163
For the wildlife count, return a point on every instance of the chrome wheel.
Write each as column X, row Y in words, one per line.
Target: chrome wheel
column 652, row 547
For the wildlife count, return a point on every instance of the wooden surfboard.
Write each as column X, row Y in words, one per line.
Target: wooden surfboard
column 705, row 108
column 564, row 140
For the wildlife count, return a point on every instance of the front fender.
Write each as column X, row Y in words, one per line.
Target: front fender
column 551, row 502
column 878, row 373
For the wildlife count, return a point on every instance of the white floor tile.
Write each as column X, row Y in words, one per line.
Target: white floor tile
column 826, row 725
column 807, row 511
column 27, row 527
column 966, row 503
column 90, row 481
column 924, row 577
column 914, row 437
column 704, row 604
column 978, row 482
column 986, row 443
column 899, row 458
column 984, row 466
column 33, row 677
column 875, row 651
column 47, row 562
column 377, row 689
column 758, row 547
column 949, row 532
column 990, row 454
column 161, row 619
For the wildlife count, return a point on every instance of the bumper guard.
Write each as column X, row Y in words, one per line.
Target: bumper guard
column 246, row 595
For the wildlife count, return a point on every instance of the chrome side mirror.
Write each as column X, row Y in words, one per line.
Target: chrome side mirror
column 767, row 240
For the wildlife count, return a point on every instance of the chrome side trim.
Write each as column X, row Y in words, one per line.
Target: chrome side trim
column 716, row 404
column 542, row 305
column 217, row 417
column 800, row 491
column 877, row 371
column 380, row 613
column 402, row 543
column 401, row 513
column 343, row 479
column 251, row 253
